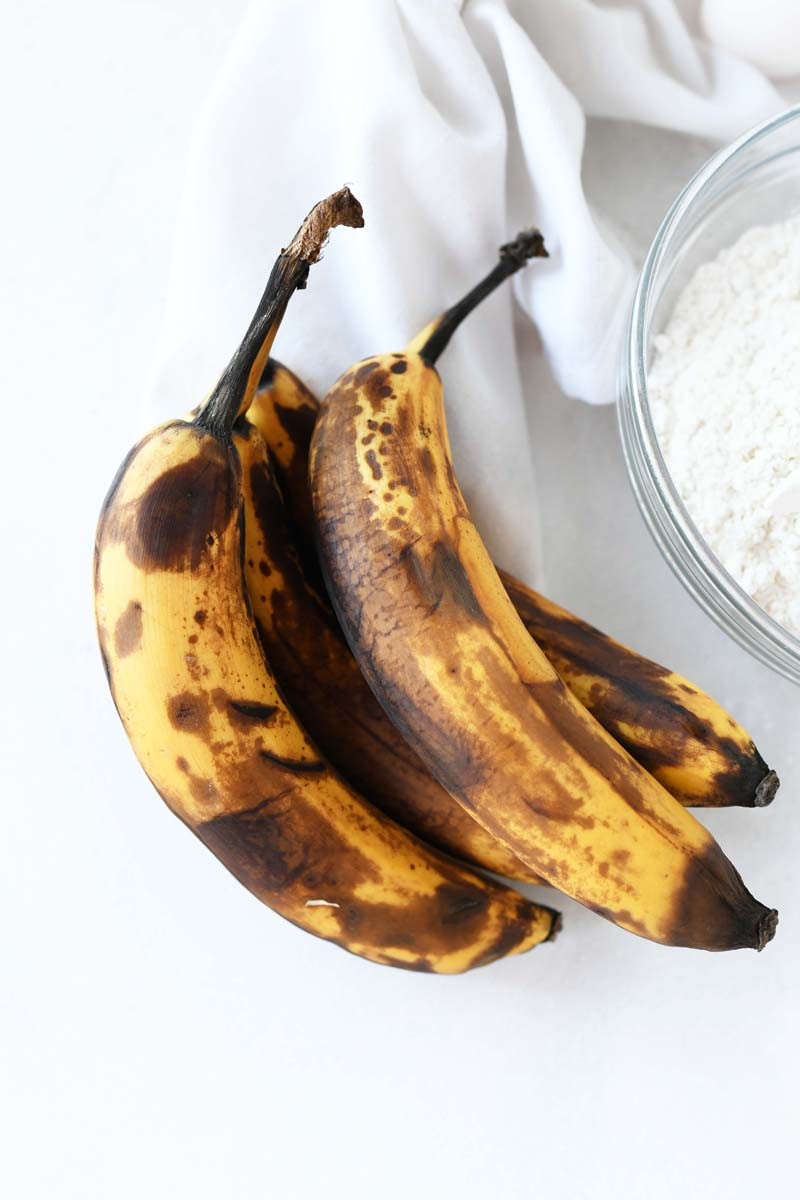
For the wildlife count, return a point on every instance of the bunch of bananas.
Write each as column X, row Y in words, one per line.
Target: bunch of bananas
column 326, row 678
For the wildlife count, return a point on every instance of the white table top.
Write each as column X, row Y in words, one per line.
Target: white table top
column 162, row 1033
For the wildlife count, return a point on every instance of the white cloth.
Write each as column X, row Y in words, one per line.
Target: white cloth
column 456, row 124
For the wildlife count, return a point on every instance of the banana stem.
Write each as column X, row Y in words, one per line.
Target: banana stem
column 239, row 381
column 513, row 256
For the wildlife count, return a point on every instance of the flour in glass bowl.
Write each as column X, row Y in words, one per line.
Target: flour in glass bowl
column 724, row 391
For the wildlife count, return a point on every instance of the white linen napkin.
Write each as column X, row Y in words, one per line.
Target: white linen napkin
column 456, row 122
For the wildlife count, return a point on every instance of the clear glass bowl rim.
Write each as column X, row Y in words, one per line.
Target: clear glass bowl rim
column 670, row 524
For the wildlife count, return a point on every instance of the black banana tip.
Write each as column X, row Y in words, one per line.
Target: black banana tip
column 555, row 928
column 765, row 930
column 765, row 792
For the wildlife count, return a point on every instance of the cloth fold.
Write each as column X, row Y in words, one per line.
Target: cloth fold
column 456, row 124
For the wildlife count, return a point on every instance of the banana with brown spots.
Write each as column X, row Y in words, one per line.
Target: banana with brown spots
column 445, row 652
column 210, row 726
column 322, row 682
column 696, row 749
column 679, row 733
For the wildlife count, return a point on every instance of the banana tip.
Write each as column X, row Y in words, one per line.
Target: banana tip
column 765, row 930
column 765, row 792
column 555, row 926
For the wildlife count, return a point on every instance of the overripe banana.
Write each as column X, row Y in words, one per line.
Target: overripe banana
column 323, row 684
column 442, row 647
column 211, row 728
column 673, row 728
column 679, row 733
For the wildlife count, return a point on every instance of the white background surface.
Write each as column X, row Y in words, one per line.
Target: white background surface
column 163, row 1034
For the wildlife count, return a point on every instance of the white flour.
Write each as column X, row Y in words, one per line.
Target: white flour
column 725, row 395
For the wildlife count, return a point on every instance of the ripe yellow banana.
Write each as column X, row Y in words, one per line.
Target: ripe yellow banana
column 445, row 652
column 208, row 723
column 678, row 732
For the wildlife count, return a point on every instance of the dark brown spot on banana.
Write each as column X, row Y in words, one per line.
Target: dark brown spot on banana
column 621, row 916
column 399, row 367
column 189, row 712
column 128, row 631
column 175, row 514
column 427, row 464
column 560, row 805
column 292, row 475
column 283, row 841
column 204, row 791
column 298, row 766
column 268, row 374
column 376, row 387
column 200, row 617
column 457, row 905
column 293, row 558
column 440, row 575
column 193, row 663
column 263, row 713
column 373, row 464
column 297, row 420
column 362, row 373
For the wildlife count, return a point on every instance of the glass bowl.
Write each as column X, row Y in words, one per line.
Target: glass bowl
column 756, row 180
